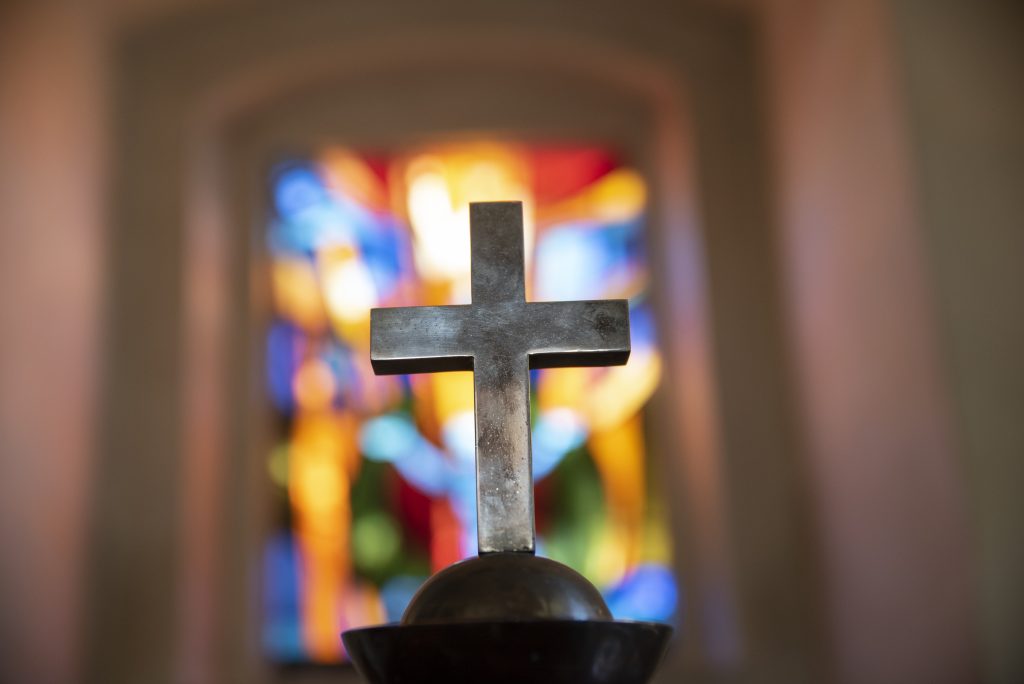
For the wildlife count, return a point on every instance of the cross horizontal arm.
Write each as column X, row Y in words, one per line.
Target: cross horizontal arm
column 420, row 339
column 587, row 333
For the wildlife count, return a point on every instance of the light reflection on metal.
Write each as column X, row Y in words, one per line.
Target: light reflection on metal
column 500, row 336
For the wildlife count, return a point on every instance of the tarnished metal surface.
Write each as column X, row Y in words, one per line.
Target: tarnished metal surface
column 500, row 336
column 510, row 652
column 505, row 586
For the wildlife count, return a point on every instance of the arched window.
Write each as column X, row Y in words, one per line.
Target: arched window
column 374, row 475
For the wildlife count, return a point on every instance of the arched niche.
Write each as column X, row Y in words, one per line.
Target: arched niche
column 204, row 103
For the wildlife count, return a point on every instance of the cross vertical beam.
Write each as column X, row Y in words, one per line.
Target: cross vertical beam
column 501, row 386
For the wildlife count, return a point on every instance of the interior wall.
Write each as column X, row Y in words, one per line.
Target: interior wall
column 861, row 200
column 963, row 67
column 52, row 186
column 876, row 406
column 870, row 178
column 762, row 460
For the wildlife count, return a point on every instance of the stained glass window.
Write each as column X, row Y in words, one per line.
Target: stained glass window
column 374, row 475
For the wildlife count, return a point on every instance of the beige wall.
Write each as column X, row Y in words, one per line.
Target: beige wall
column 875, row 396
column 52, row 103
column 963, row 68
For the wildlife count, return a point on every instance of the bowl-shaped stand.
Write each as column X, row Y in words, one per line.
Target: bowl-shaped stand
column 508, row 618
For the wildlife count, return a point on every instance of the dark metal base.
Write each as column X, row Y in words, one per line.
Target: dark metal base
column 550, row 651
column 505, row 587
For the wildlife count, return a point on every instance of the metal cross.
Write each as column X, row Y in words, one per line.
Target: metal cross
column 500, row 336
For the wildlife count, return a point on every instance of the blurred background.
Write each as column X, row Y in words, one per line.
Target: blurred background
column 810, row 466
